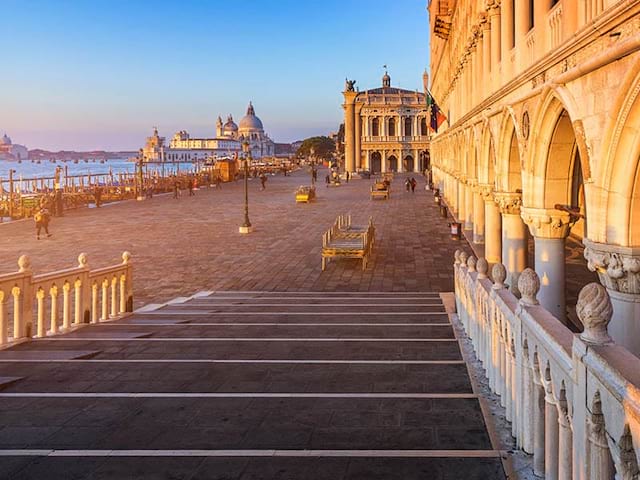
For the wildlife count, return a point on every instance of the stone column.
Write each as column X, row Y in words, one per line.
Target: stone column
column 506, row 32
column 493, row 227
column 514, row 236
column 486, row 56
column 383, row 156
column 550, row 228
column 461, row 203
column 618, row 269
column 349, row 130
column 494, row 18
column 358, row 139
column 468, row 206
column 478, row 216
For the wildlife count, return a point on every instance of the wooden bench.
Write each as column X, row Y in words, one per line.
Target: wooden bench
column 305, row 194
column 380, row 190
column 346, row 240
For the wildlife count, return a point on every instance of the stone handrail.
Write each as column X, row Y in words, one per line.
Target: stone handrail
column 573, row 400
column 35, row 299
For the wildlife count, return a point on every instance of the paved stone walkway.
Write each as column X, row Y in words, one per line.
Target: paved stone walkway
column 182, row 246
column 233, row 385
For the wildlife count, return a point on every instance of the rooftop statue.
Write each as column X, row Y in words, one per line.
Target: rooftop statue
column 348, row 85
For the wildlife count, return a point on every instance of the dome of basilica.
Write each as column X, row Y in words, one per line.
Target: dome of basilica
column 5, row 140
column 250, row 122
column 230, row 125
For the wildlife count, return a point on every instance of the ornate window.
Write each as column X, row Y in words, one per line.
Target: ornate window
column 423, row 127
column 392, row 127
column 408, row 126
column 375, row 127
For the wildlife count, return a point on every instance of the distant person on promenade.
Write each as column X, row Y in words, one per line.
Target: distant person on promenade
column 407, row 184
column 97, row 195
column 190, row 185
column 176, row 188
column 413, row 185
column 263, row 180
column 42, row 221
column 347, row 176
column 327, row 179
column 218, row 181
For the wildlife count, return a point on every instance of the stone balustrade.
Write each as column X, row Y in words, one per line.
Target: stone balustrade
column 573, row 400
column 80, row 294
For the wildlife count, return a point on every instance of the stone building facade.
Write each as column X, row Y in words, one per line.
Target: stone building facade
column 386, row 129
column 543, row 98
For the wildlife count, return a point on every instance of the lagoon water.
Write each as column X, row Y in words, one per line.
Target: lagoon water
column 28, row 169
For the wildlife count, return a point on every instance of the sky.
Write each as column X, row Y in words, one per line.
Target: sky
column 100, row 74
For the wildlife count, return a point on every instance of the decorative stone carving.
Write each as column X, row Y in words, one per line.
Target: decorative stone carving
column 24, row 263
column 618, row 268
column 463, row 258
column 471, row 263
column 529, row 286
column 499, row 274
column 548, row 223
column 594, row 310
column 485, row 190
column 456, row 256
column 83, row 260
column 482, row 267
column 126, row 257
column 508, row 202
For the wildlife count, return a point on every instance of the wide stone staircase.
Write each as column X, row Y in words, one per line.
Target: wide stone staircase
column 249, row 385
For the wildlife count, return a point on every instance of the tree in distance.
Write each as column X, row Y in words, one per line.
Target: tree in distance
column 323, row 148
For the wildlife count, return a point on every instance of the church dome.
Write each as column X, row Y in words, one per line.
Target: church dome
column 5, row 140
column 230, row 126
column 250, row 121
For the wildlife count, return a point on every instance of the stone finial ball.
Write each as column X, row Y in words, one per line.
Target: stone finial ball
column 529, row 286
column 482, row 267
column 456, row 256
column 463, row 258
column 82, row 260
column 126, row 257
column 499, row 274
column 594, row 310
column 24, row 263
column 471, row 263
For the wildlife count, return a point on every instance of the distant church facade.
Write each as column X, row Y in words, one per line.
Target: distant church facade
column 227, row 142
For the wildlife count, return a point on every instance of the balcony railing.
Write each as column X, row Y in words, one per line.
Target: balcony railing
column 63, row 300
column 412, row 138
column 573, row 400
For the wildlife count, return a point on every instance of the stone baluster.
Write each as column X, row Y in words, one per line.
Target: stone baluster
column 95, row 312
column 3, row 318
column 41, row 330
column 600, row 460
column 538, row 406
column 513, row 391
column 565, row 441
column 53, row 293
column 482, row 267
column 114, row 297
column 123, row 294
column 77, row 302
column 508, row 405
column 66, row 306
column 105, row 300
column 551, row 433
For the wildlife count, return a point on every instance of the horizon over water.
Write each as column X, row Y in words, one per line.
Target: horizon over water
column 29, row 169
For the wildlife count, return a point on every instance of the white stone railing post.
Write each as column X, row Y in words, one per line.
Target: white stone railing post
column 3, row 318
column 53, row 293
column 66, row 306
column 41, row 330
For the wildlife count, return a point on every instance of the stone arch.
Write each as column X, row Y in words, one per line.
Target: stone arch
column 508, row 157
column 618, row 176
column 487, row 157
column 376, row 162
column 392, row 163
column 555, row 153
column 408, row 163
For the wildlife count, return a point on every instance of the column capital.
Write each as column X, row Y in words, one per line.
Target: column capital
column 548, row 222
column 508, row 202
column 493, row 7
column 618, row 268
column 485, row 190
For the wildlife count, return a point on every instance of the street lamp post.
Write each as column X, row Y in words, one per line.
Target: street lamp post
column 246, row 225
column 140, row 182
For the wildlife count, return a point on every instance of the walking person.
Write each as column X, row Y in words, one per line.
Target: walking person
column 407, row 184
column 97, row 195
column 42, row 218
column 347, row 176
column 263, row 180
column 413, row 185
column 176, row 188
column 190, row 185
